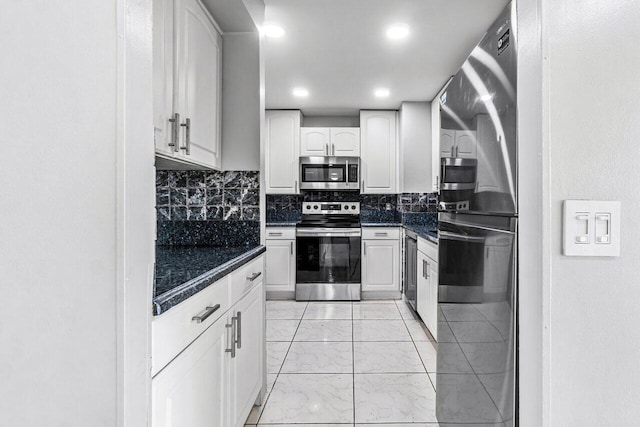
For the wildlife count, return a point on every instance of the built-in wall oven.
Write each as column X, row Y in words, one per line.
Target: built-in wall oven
column 328, row 241
column 457, row 183
column 329, row 173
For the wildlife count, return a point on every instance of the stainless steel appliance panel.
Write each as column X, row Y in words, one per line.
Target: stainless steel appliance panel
column 479, row 106
column 411, row 269
column 329, row 173
column 477, row 296
column 328, row 264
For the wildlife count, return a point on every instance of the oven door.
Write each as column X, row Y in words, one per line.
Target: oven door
column 328, row 263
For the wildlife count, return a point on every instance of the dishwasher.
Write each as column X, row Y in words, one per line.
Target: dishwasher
column 411, row 269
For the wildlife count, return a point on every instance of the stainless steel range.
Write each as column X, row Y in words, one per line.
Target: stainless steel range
column 328, row 252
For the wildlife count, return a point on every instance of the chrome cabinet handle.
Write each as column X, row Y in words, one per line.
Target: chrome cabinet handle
column 424, row 263
column 239, row 329
column 187, row 136
column 175, row 120
column 254, row 276
column 296, row 187
column 326, row 149
column 333, row 149
column 208, row 312
column 362, row 185
column 275, row 234
column 291, row 247
column 364, row 245
column 380, row 234
column 428, row 266
column 232, row 325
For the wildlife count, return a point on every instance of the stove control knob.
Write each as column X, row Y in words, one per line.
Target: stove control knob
column 346, row 208
column 315, row 207
column 353, row 207
column 308, row 207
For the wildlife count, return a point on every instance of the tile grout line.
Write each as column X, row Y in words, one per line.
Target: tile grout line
column 264, row 405
column 353, row 367
column 426, row 371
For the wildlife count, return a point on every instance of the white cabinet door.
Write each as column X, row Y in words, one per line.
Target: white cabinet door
column 199, row 81
column 192, row 390
column 447, row 142
column 432, row 308
column 380, row 265
column 282, row 147
column 163, row 83
column 345, row 142
column 315, row 142
column 246, row 367
column 466, row 145
column 281, row 266
column 378, row 152
column 423, row 286
column 435, row 144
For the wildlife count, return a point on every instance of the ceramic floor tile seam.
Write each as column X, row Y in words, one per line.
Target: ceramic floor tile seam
column 266, row 401
column 420, row 356
column 353, row 366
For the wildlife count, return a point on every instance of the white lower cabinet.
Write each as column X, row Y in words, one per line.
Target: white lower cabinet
column 246, row 366
column 216, row 379
column 191, row 391
column 380, row 261
column 427, row 299
column 281, row 260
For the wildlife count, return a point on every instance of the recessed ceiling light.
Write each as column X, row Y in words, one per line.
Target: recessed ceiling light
column 381, row 92
column 398, row 31
column 300, row 92
column 487, row 97
column 272, row 30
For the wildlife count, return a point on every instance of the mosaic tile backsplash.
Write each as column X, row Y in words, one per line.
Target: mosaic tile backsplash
column 410, row 208
column 207, row 195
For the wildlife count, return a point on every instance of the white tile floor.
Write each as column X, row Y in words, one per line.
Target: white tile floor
column 346, row 364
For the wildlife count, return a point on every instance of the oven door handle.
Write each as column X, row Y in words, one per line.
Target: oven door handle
column 319, row 232
column 460, row 237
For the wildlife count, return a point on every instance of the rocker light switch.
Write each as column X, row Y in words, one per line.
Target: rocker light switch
column 591, row 228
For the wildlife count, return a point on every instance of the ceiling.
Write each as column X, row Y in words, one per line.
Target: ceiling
column 337, row 49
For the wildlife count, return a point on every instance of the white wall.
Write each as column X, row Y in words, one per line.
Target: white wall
column 592, row 129
column 415, row 147
column 64, row 358
column 241, row 101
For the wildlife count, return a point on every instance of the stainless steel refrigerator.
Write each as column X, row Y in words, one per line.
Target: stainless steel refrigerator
column 477, row 286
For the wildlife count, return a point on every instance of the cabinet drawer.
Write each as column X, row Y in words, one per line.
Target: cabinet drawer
column 430, row 249
column 381, row 233
column 277, row 233
column 176, row 329
column 245, row 278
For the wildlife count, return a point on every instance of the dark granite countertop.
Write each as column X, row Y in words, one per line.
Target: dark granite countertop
column 182, row 271
column 282, row 224
column 381, row 224
column 424, row 231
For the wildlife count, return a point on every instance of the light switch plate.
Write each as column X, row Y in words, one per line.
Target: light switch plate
column 591, row 228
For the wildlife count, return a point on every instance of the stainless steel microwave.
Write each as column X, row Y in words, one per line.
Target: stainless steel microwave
column 329, row 173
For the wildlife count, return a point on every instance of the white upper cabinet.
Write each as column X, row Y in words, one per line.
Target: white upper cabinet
column 187, row 83
column 163, row 49
column 330, row 142
column 199, row 83
column 315, row 141
column 378, row 152
column 345, row 142
column 282, row 148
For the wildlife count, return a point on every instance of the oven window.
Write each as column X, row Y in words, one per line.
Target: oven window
column 459, row 174
column 324, row 173
column 328, row 260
